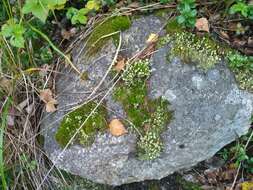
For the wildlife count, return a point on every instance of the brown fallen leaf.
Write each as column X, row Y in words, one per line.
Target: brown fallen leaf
column 117, row 128
column 120, row 65
column 202, row 24
column 47, row 97
column 152, row 38
column 6, row 85
column 224, row 35
column 67, row 34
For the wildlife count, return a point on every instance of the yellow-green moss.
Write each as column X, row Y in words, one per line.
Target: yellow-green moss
column 193, row 49
column 72, row 121
column 163, row 13
column 172, row 26
column 97, row 38
column 149, row 117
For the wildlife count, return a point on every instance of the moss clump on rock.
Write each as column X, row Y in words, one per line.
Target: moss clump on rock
column 104, row 31
column 148, row 117
column 172, row 26
column 72, row 121
column 191, row 48
column 242, row 66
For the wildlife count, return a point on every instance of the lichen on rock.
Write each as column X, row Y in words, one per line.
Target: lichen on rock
column 209, row 111
column 148, row 117
column 92, row 122
column 193, row 49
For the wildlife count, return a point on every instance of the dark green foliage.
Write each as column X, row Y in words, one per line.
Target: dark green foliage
column 242, row 8
column 72, row 121
column 188, row 13
column 3, row 12
column 14, row 32
column 237, row 154
column 102, row 32
column 77, row 16
column 242, row 66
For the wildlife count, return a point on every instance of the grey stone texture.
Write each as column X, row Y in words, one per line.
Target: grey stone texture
column 209, row 112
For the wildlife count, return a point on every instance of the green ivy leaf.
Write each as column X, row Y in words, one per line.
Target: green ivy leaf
column 14, row 32
column 180, row 19
column 77, row 16
column 71, row 12
column 37, row 7
column 56, row 4
column 79, row 19
column 40, row 8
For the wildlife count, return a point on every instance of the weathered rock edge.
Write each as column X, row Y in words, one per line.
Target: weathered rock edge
column 209, row 112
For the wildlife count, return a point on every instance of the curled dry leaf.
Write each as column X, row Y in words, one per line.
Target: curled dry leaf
column 67, row 34
column 152, row 38
column 47, row 97
column 120, row 65
column 6, row 85
column 202, row 24
column 117, row 128
column 224, row 35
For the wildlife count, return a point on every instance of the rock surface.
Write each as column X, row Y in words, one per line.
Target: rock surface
column 209, row 112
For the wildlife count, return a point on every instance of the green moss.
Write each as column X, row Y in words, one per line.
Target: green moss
column 163, row 13
column 186, row 185
column 193, row 49
column 97, row 38
column 149, row 117
column 242, row 66
column 72, row 121
column 172, row 26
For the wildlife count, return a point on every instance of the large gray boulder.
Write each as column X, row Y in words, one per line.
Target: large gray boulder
column 210, row 111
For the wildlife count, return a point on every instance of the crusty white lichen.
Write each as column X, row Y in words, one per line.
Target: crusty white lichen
column 191, row 48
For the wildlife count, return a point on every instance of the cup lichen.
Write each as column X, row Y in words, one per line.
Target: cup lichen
column 148, row 117
column 104, row 31
column 73, row 120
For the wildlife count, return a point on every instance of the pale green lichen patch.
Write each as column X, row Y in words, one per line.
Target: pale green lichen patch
column 72, row 121
column 104, row 31
column 242, row 66
column 193, row 49
column 148, row 117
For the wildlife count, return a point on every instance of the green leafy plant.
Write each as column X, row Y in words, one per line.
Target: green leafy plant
column 188, row 13
column 242, row 8
column 238, row 154
column 93, row 5
column 242, row 66
column 77, row 16
column 14, row 32
column 41, row 8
